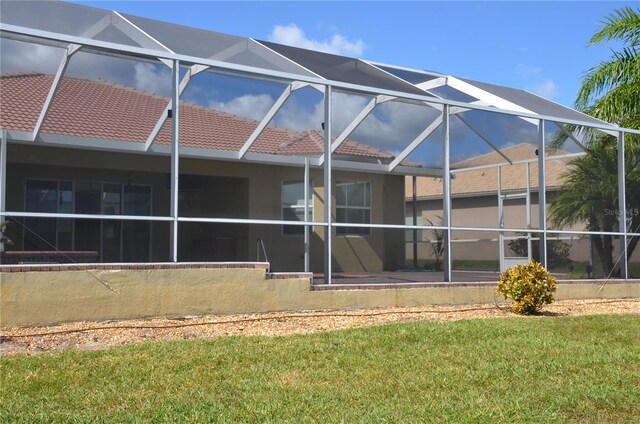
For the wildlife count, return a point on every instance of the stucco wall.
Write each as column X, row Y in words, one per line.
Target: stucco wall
column 46, row 297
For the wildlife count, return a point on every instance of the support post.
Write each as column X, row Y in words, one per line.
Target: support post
column 528, row 205
column 175, row 157
column 306, row 214
column 3, row 183
column 542, row 194
column 446, row 194
column 500, row 221
column 328, row 230
column 622, row 207
column 414, row 180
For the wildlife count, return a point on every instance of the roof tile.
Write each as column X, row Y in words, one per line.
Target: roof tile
column 109, row 111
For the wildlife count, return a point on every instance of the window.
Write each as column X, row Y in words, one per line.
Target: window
column 48, row 233
column 115, row 240
column 353, row 206
column 293, row 205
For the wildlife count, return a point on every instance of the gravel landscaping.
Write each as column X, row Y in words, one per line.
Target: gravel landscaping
column 103, row 335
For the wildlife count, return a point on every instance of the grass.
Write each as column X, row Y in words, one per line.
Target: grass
column 499, row 370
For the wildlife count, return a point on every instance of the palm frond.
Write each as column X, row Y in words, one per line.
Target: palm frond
column 622, row 24
column 623, row 68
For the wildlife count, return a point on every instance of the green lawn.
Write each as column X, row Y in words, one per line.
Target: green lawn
column 558, row 369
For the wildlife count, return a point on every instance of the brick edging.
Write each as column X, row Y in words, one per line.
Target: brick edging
column 136, row 266
column 288, row 275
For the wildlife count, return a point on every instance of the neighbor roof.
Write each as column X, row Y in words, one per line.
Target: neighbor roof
column 485, row 181
column 108, row 111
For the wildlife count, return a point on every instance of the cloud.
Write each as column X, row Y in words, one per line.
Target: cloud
column 533, row 80
column 547, row 88
column 152, row 78
column 22, row 57
column 27, row 57
column 253, row 106
column 292, row 35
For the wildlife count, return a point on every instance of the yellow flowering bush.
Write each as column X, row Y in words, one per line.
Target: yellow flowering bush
column 530, row 286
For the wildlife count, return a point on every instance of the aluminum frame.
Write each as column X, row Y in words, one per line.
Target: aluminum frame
column 486, row 103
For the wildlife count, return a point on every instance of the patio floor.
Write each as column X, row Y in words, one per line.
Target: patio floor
column 407, row 277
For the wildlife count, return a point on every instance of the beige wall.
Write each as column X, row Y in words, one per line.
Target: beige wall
column 382, row 249
column 40, row 298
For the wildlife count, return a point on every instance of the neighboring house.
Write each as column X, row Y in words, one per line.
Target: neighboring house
column 475, row 200
column 114, row 177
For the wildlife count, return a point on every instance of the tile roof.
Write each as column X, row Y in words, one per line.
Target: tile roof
column 110, row 111
column 483, row 181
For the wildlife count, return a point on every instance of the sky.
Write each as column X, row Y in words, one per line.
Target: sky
column 536, row 46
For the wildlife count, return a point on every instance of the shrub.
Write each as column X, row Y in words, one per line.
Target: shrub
column 530, row 286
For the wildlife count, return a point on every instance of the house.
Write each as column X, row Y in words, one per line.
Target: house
column 113, row 178
column 475, row 189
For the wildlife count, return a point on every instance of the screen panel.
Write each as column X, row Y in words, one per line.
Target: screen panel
column 341, row 68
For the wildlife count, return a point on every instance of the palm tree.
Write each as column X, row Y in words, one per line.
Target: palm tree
column 589, row 193
column 610, row 91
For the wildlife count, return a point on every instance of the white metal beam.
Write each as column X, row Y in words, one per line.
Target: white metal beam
column 568, row 133
column 306, row 215
column 328, row 185
column 416, row 142
column 175, row 158
column 94, row 30
column 138, row 35
column 269, row 117
column 622, row 208
column 53, row 89
column 542, row 193
column 446, row 196
column 356, row 122
column 489, row 98
column 195, row 69
column 3, row 173
column 434, row 83
column 500, row 220
column 457, row 109
column 483, row 138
